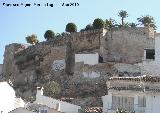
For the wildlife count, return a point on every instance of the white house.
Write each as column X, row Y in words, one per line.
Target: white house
column 140, row 94
column 151, row 60
column 21, row 110
column 90, row 59
column 61, row 106
column 41, row 108
column 8, row 100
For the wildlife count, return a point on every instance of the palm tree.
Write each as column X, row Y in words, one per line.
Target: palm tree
column 147, row 21
column 123, row 14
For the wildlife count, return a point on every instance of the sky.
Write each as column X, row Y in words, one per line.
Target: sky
column 17, row 22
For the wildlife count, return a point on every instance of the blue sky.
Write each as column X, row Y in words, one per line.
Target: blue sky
column 18, row 22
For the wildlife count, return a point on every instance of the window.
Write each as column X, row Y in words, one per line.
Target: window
column 124, row 102
column 150, row 53
column 100, row 59
column 141, row 101
column 43, row 111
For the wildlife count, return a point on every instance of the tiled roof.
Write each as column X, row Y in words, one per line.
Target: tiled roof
column 93, row 110
column 139, row 78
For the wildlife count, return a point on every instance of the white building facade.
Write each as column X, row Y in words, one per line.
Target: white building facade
column 151, row 60
column 8, row 100
column 139, row 94
column 58, row 105
column 21, row 110
column 90, row 59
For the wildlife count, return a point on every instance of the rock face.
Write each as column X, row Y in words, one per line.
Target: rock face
column 54, row 62
column 9, row 66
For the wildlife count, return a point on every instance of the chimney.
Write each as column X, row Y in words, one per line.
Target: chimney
column 40, row 90
column 59, row 107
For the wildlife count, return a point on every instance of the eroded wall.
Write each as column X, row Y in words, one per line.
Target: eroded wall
column 126, row 45
column 32, row 66
column 87, row 40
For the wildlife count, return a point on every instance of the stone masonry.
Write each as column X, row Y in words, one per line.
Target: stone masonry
column 30, row 66
column 126, row 45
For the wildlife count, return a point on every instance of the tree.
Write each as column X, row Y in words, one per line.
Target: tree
column 82, row 30
column 132, row 24
column 52, row 88
column 98, row 23
column 89, row 27
column 120, row 110
column 49, row 34
column 71, row 27
column 64, row 34
column 58, row 35
column 110, row 23
column 32, row 39
column 147, row 21
column 123, row 14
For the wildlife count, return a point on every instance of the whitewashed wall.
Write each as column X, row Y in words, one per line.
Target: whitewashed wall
column 122, row 67
column 21, row 110
column 157, row 49
column 7, row 96
column 18, row 102
column 52, row 103
column 90, row 59
column 152, row 67
column 8, row 100
column 91, row 74
column 152, row 101
column 107, row 102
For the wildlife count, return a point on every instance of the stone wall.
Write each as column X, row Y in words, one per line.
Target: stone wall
column 128, row 69
column 81, row 42
column 126, row 44
column 9, row 67
column 151, row 66
column 32, row 66
column 40, row 56
column 22, row 62
column 86, row 40
column 89, row 80
column 26, row 66
column 120, row 45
